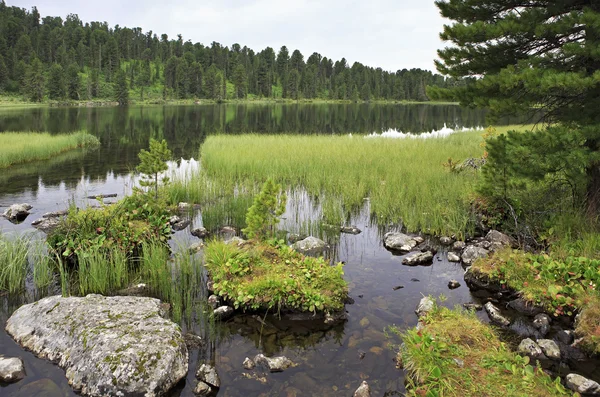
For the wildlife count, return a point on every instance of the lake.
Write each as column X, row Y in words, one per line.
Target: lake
column 332, row 362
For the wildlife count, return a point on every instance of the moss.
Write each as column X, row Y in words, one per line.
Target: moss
column 454, row 354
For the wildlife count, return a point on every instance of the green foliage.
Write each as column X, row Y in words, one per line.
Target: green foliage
column 123, row 226
column 102, row 270
column 57, row 89
column 121, row 91
column 264, row 214
column 13, row 262
column 429, row 356
column 153, row 162
column 266, row 276
column 34, row 82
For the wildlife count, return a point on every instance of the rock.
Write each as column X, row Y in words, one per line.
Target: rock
column 140, row 289
column 196, row 247
column 235, row 240
column 248, row 364
column 177, row 226
column 425, row 306
column 223, row 312
column 550, row 348
column 192, row 341
column 458, row 246
column 525, row 307
column 46, row 225
column 453, row 284
column 422, row 258
column 446, row 240
column 310, row 245
column 471, row 253
column 56, row 214
column 565, row 336
column 363, row 390
column 473, row 306
column 397, row 287
column 542, row 323
column 214, row 301
column 495, row 315
column 17, row 212
column 452, row 257
column 478, row 281
column 583, row 385
column 40, row 388
column 294, row 237
column 184, row 206
column 227, row 230
column 174, row 219
column 400, row 242
column 460, row 363
column 350, row 230
column 497, row 239
column 102, row 196
column 275, row 364
column 11, row 369
column 203, row 389
column 200, row 232
column 530, row 348
column 208, row 374
column 107, row 345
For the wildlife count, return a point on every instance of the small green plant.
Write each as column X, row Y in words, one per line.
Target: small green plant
column 264, row 214
column 153, row 162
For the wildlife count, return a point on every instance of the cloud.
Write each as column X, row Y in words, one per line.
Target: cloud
column 392, row 34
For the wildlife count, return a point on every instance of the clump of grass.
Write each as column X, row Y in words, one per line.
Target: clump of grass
column 263, row 276
column 43, row 269
column 22, row 147
column 14, row 251
column 102, row 270
column 154, row 268
column 431, row 357
column 404, row 178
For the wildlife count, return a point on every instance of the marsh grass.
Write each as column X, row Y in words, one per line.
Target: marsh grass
column 488, row 367
column 404, row 179
column 22, row 147
column 102, row 271
column 14, row 251
column 43, row 266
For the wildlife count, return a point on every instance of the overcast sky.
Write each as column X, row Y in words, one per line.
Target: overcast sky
column 392, row 34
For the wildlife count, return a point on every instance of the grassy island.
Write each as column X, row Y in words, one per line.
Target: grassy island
column 454, row 354
column 23, row 147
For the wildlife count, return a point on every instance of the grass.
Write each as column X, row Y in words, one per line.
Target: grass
column 485, row 367
column 23, row 147
column 404, row 178
column 263, row 276
column 562, row 285
column 102, row 271
column 14, row 252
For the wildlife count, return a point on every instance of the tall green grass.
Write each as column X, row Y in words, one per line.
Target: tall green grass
column 14, row 251
column 404, row 179
column 22, row 147
column 102, row 271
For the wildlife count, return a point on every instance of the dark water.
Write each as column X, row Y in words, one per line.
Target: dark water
column 329, row 359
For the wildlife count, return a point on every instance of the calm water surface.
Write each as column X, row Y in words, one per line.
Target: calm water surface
column 330, row 362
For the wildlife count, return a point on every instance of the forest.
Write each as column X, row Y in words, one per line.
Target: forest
column 60, row 59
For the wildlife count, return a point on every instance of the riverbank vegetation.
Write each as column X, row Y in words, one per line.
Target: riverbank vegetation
column 54, row 59
column 404, row 179
column 454, row 353
column 22, row 147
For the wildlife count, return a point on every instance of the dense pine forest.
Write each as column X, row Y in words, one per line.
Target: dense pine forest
column 54, row 59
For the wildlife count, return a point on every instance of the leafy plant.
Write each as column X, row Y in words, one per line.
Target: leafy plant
column 153, row 162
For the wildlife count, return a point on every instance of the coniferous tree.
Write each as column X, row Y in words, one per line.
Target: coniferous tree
column 239, row 80
column 120, row 89
column 73, row 82
column 57, row 89
column 34, row 81
column 293, row 84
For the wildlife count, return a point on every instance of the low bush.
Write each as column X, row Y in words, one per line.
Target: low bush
column 271, row 275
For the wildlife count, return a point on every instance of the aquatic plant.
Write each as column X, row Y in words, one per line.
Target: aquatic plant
column 13, row 262
column 22, row 147
column 453, row 353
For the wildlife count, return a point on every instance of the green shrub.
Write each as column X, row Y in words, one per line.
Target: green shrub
column 263, row 215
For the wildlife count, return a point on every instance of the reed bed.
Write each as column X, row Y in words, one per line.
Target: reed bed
column 14, row 251
column 22, row 147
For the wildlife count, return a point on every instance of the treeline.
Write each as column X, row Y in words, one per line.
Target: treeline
column 52, row 58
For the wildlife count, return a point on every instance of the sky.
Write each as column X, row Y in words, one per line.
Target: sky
column 391, row 34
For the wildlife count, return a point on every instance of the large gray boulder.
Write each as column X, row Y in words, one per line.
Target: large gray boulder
column 17, row 212
column 310, row 245
column 498, row 240
column 118, row 345
column 421, row 258
column 583, row 385
column 400, row 242
column 11, row 369
column 472, row 253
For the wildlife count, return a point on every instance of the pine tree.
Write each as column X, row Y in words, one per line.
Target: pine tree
column 73, row 82
column 34, row 81
column 120, row 89
column 57, row 89
column 365, row 92
column 153, row 162
column 263, row 215
column 293, row 84
column 239, row 80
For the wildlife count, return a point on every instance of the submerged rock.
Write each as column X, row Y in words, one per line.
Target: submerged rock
column 203, row 389
column 310, row 245
column 40, row 388
column 208, row 374
column 223, row 312
column 453, row 284
column 248, row 364
column 472, row 253
column 11, row 369
column 473, row 306
column 426, row 305
column 107, row 345
column 17, row 212
column 363, row 390
column 422, row 258
column 530, row 348
column 177, row 226
column 583, row 385
column 495, row 315
column 350, row 230
column 444, row 240
column 275, row 364
column 400, row 242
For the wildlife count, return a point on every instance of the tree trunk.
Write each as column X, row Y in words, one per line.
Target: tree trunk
column 593, row 190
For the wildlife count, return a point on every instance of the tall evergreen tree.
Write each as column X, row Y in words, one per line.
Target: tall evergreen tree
column 239, row 80
column 57, row 89
column 34, row 81
column 73, row 82
column 120, row 89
